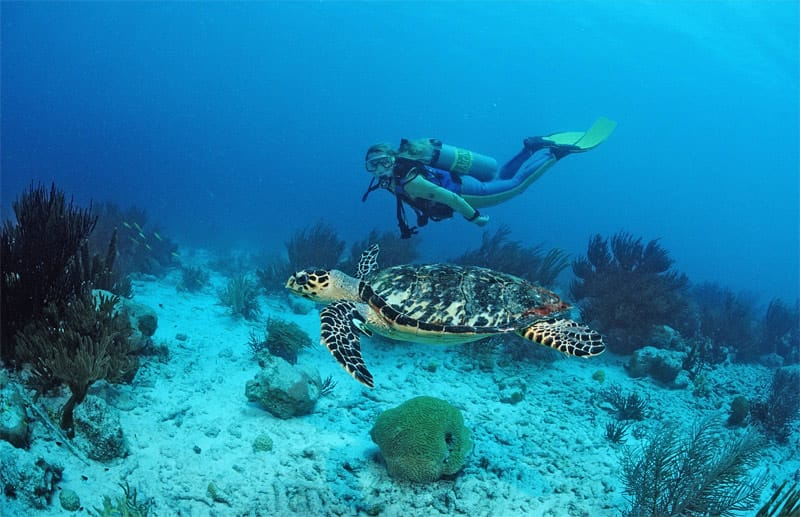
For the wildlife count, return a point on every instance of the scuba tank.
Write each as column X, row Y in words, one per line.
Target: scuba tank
column 433, row 152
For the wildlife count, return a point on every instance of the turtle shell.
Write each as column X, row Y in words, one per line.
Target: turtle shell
column 459, row 299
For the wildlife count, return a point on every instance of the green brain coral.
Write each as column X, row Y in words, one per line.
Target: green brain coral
column 422, row 439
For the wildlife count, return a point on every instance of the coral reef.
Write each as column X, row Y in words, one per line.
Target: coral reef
column 241, row 295
column 76, row 344
column 531, row 263
column 696, row 474
column 626, row 288
column 422, row 439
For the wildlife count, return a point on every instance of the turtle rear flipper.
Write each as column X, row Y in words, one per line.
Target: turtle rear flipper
column 341, row 324
column 566, row 336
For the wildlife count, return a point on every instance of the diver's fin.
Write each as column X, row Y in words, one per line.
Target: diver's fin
column 583, row 141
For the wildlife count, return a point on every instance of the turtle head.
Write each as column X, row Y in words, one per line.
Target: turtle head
column 323, row 285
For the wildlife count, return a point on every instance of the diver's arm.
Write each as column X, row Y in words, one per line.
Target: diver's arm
column 419, row 187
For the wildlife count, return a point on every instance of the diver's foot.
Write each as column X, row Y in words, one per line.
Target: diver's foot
column 535, row 143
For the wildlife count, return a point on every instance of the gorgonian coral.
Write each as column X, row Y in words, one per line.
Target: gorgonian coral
column 626, row 288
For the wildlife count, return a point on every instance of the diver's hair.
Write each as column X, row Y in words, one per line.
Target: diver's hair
column 380, row 148
column 422, row 149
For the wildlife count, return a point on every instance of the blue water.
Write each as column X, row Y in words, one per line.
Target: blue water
column 234, row 125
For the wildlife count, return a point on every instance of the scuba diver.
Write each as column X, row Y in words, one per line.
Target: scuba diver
column 437, row 180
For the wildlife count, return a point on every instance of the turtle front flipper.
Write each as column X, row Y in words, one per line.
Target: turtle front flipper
column 368, row 262
column 340, row 326
column 566, row 336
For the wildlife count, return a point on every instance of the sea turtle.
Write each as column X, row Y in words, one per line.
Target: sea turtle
column 435, row 303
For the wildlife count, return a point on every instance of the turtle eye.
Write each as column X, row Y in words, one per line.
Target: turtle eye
column 301, row 278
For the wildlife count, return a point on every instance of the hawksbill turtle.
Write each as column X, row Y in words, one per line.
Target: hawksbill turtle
column 437, row 304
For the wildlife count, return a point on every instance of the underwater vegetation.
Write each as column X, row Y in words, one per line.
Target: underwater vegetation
column 625, row 407
column 241, row 295
column 780, row 406
column 315, row 246
column 282, row 339
column 531, row 263
column 126, row 505
column 38, row 257
column 740, row 408
column 193, row 279
column 724, row 318
column 142, row 247
column 785, row 502
column 698, row 473
column 626, row 288
column 77, row 344
column 394, row 251
column 779, row 331
column 730, row 324
column 45, row 258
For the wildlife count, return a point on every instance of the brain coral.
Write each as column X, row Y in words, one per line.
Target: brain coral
column 422, row 439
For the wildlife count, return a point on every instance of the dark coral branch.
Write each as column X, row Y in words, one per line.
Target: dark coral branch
column 39, row 257
column 531, row 263
column 315, row 246
column 627, row 288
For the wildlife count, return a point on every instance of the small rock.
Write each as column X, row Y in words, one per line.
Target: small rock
column 512, row 390
column 98, row 430
column 662, row 365
column 262, row 443
column 13, row 419
column 285, row 390
column 69, row 500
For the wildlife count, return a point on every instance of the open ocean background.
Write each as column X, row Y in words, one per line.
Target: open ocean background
column 236, row 124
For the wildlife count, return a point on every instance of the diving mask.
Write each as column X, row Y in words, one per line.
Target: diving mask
column 385, row 161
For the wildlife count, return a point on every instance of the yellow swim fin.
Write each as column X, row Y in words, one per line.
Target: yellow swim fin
column 594, row 136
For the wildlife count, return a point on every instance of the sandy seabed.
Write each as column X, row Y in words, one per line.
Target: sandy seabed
column 188, row 425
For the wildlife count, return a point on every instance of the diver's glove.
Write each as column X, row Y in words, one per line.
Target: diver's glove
column 482, row 220
column 477, row 218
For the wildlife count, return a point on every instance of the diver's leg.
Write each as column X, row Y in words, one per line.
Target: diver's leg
column 510, row 169
column 526, row 173
column 525, row 159
column 471, row 186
